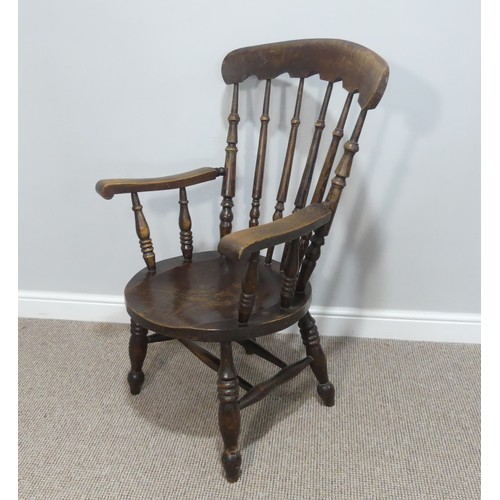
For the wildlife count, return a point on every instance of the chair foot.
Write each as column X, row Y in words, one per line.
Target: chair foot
column 327, row 393
column 137, row 349
column 231, row 461
column 310, row 338
column 135, row 381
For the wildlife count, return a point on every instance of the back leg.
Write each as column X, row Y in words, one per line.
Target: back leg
column 137, row 349
column 310, row 338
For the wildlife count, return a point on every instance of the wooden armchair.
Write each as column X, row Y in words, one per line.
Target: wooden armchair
column 235, row 294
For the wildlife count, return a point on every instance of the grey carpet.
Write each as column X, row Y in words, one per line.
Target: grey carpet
column 406, row 424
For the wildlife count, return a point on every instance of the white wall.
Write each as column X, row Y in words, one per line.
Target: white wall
column 124, row 88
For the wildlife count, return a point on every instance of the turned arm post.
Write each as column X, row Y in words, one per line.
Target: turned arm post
column 248, row 288
column 142, row 229
column 289, row 275
column 311, row 256
column 186, row 236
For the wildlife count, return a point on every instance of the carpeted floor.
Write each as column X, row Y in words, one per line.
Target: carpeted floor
column 406, row 424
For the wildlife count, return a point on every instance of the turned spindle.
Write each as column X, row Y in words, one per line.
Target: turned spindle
column 305, row 183
column 311, row 256
column 248, row 288
column 261, row 158
column 343, row 170
column 186, row 236
column 142, row 229
column 287, row 165
column 229, row 182
column 289, row 275
column 337, row 135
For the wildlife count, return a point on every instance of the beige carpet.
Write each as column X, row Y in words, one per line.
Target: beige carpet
column 406, row 424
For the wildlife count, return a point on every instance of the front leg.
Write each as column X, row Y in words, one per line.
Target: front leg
column 229, row 413
column 137, row 349
column 310, row 338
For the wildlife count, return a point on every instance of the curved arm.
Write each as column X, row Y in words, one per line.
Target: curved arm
column 242, row 243
column 107, row 188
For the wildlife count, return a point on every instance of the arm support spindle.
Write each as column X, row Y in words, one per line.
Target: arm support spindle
column 186, row 236
column 142, row 230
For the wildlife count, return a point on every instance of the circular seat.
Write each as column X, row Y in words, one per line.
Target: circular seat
column 198, row 300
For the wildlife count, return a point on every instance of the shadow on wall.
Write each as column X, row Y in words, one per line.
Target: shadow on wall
column 409, row 100
column 415, row 103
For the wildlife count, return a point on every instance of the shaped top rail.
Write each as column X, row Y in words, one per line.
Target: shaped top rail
column 360, row 69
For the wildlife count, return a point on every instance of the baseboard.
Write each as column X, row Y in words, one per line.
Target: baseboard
column 350, row 322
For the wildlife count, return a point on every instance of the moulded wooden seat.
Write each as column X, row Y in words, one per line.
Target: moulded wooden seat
column 234, row 294
column 203, row 295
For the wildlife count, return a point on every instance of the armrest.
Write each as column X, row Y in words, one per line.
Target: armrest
column 241, row 243
column 107, row 188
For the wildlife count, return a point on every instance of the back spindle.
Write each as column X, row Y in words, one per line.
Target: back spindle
column 343, row 170
column 261, row 158
column 337, row 135
column 287, row 166
column 305, row 183
column 229, row 182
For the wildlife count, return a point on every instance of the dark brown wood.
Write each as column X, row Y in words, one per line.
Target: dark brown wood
column 229, row 182
column 210, row 360
column 137, row 348
column 289, row 277
column 156, row 337
column 241, row 243
column 261, row 159
column 287, row 166
column 343, row 170
column 142, row 229
column 337, row 135
column 261, row 390
column 305, row 183
column 360, row 69
column 233, row 294
column 310, row 338
column 248, row 289
column 107, row 188
column 186, row 235
column 312, row 255
column 199, row 300
column 229, row 413
column 251, row 347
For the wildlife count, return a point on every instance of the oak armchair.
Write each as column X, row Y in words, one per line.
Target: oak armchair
column 234, row 294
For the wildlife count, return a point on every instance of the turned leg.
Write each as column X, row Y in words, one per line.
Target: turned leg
column 137, row 348
column 229, row 413
column 310, row 338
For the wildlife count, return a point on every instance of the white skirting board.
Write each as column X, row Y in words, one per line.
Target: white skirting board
column 349, row 322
